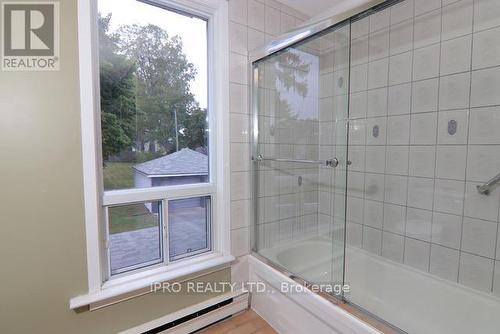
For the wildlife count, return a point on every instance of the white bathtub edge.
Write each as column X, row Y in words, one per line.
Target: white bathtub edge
column 313, row 306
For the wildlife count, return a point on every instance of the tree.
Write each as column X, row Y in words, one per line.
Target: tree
column 163, row 86
column 118, row 88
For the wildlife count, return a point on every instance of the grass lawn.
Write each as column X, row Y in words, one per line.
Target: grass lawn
column 118, row 175
column 130, row 218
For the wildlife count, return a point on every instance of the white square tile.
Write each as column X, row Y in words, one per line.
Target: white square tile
column 454, row 91
column 238, row 35
column 357, row 158
column 355, row 209
column 444, row 262
column 359, row 78
column 380, row 20
column 240, row 157
column 360, row 27
column 401, row 37
column 378, row 73
column 483, row 162
column 418, row 224
column 240, row 186
column 376, row 131
column 400, row 68
column 486, row 87
column 427, row 29
column 374, row 214
column 256, row 39
column 354, row 234
column 457, row 19
column 256, row 15
column 446, row 229
column 424, row 6
column 399, row 100
column 475, row 272
column 357, row 132
column 394, row 218
column 484, row 126
column 374, row 187
column 425, row 95
column 479, row 237
column 392, row 246
column 417, row 254
column 238, row 68
column 446, row 119
column 450, row 162
column 420, row 192
column 426, row 62
column 456, row 55
column 238, row 98
column 377, row 102
column 287, row 23
column 397, row 160
column 480, row 206
column 358, row 105
column 449, row 196
column 396, row 189
column 273, row 21
column 375, row 159
column 359, row 51
column 239, row 128
column 486, row 14
column 240, row 242
column 240, row 214
column 379, row 45
column 402, row 11
column 372, row 240
column 423, row 129
column 398, row 130
column 486, row 51
column 238, row 11
column 356, row 184
column 422, row 161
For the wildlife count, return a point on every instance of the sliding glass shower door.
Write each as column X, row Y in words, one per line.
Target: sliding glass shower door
column 300, row 156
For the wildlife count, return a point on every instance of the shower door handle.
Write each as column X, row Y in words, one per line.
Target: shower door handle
column 332, row 163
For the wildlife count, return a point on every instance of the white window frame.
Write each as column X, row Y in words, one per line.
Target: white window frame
column 101, row 290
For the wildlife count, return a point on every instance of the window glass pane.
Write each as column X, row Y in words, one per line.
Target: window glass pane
column 153, row 79
column 135, row 238
column 188, row 227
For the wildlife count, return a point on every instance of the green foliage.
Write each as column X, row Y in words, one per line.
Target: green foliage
column 145, row 86
column 118, row 87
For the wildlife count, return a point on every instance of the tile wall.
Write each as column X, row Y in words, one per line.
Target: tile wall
column 252, row 23
column 424, row 132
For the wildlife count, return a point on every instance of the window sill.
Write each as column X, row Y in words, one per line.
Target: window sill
column 134, row 285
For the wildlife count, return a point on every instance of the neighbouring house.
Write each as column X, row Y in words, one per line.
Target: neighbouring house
column 182, row 167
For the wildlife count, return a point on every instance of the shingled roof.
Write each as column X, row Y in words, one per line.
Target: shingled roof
column 183, row 162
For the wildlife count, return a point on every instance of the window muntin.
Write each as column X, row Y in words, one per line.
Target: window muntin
column 154, row 133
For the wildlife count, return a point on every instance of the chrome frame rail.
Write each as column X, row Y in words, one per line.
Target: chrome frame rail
column 485, row 189
column 328, row 163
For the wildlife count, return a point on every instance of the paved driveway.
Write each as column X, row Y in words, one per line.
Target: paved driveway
column 187, row 229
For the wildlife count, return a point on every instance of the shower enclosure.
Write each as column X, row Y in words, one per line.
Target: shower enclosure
column 371, row 137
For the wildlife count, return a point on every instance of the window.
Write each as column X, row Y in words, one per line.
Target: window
column 154, row 114
column 154, row 119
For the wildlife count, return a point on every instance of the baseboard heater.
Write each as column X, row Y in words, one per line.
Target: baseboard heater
column 197, row 317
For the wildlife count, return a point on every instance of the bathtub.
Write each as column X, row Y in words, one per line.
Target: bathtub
column 407, row 298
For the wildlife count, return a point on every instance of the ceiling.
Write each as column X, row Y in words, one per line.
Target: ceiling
column 312, row 7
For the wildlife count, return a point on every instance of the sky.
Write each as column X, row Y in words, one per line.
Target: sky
column 193, row 32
